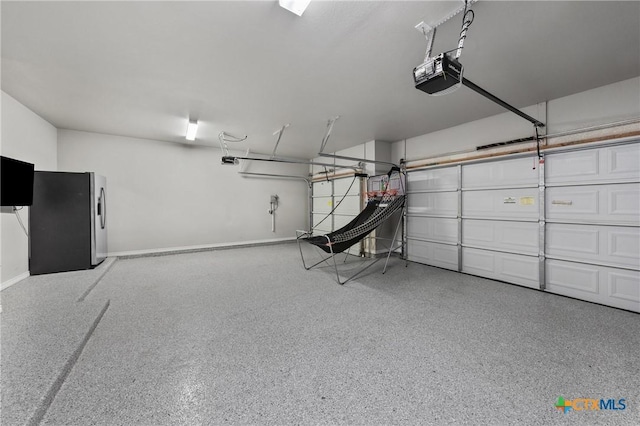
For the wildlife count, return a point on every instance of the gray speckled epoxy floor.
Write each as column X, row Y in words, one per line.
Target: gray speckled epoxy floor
column 247, row 336
column 41, row 327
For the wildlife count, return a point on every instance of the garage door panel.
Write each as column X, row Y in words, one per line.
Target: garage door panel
column 519, row 237
column 624, row 200
column 500, row 174
column 600, row 284
column 573, row 202
column 433, row 228
column 434, row 204
column 433, row 179
column 513, row 204
column 622, row 162
column 322, row 189
column 615, row 204
column 624, row 286
column 624, row 243
column 322, row 204
column 512, row 268
column 602, row 165
column 324, row 227
column 611, row 245
column 341, row 186
column 574, row 167
column 350, row 205
column 480, row 262
column 326, row 195
column 568, row 276
column 581, row 241
column 434, row 254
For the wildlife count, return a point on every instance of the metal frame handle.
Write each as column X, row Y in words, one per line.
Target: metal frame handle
column 102, row 208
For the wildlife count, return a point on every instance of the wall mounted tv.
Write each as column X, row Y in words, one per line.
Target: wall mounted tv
column 16, row 184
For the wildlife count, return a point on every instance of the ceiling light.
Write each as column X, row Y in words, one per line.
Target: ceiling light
column 295, row 6
column 192, row 128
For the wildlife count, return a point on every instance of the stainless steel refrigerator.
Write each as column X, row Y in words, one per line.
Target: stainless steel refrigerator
column 67, row 222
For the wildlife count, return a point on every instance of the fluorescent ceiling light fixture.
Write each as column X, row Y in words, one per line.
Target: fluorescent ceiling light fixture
column 192, row 128
column 295, row 6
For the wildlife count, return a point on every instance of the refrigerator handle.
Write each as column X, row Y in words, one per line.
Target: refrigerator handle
column 102, row 208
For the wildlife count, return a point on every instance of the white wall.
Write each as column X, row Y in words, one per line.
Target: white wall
column 163, row 195
column 607, row 104
column 27, row 137
column 602, row 105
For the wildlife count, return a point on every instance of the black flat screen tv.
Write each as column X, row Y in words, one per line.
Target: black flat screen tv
column 16, row 184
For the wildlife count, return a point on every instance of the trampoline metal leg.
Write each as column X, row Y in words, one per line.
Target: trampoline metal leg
column 304, row 264
column 391, row 246
column 335, row 265
column 359, row 272
column 298, row 235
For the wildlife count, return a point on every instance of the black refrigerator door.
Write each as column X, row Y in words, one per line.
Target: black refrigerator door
column 60, row 223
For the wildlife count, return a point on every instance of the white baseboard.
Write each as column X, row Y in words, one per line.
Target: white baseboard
column 236, row 244
column 14, row 280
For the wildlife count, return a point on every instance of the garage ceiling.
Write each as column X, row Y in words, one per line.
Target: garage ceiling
column 140, row 69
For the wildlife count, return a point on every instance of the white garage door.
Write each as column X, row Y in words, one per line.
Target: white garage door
column 433, row 217
column 322, row 203
column 593, row 225
column 500, row 220
column 326, row 195
column 487, row 219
